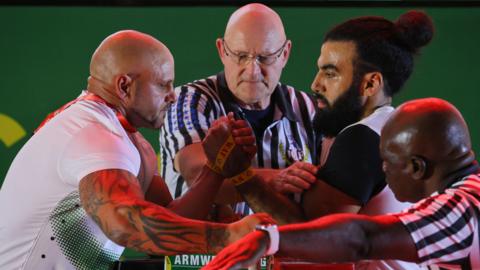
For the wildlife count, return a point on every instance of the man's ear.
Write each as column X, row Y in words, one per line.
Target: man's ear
column 372, row 83
column 123, row 85
column 417, row 167
column 220, row 49
column 286, row 52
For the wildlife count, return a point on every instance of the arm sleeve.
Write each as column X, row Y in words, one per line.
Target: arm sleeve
column 354, row 165
column 442, row 228
column 96, row 148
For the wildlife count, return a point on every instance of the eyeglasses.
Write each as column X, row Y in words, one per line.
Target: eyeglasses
column 242, row 58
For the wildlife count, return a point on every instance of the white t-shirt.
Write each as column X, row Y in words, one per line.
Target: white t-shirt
column 42, row 224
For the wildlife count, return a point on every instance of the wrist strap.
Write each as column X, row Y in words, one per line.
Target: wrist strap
column 213, row 167
column 242, row 177
column 273, row 235
column 222, row 155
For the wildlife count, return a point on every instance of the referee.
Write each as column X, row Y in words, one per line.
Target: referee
column 254, row 51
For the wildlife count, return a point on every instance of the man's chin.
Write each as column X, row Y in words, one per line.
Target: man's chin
column 402, row 199
column 157, row 123
column 247, row 100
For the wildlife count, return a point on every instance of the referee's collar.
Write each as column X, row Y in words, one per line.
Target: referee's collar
column 455, row 177
column 279, row 98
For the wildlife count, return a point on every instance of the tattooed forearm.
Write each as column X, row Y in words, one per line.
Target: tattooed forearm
column 114, row 200
column 216, row 238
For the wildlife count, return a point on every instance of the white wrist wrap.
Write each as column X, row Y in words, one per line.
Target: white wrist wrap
column 274, row 236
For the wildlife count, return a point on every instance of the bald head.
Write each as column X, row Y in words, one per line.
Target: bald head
column 254, row 51
column 431, row 128
column 124, row 52
column 425, row 145
column 255, row 20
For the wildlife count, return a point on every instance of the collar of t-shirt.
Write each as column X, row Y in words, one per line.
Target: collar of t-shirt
column 458, row 175
column 279, row 98
column 90, row 97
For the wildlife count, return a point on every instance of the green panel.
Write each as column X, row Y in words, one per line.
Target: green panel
column 45, row 53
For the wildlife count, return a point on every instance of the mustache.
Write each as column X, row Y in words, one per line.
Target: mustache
column 321, row 98
column 253, row 78
column 250, row 80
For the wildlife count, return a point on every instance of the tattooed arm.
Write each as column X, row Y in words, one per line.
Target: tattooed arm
column 113, row 199
column 196, row 203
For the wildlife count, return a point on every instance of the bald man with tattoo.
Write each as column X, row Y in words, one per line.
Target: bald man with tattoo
column 85, row 185
column 428, row 159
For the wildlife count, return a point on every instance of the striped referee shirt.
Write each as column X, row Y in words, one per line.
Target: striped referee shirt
column 289, row 138
column 445, row 226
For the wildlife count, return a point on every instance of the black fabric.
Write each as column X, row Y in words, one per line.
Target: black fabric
column 157, row 262
column 458, row 175
column 178, row 188
column 259, row 120
column 354, row 165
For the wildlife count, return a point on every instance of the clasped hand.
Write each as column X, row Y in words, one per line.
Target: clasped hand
column 229, row 146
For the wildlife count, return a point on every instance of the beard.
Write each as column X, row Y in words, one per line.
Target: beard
column 346, row 110
column 140, row 118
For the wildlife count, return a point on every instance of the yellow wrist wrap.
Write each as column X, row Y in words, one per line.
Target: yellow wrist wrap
column 222, row 155
column 242, row 177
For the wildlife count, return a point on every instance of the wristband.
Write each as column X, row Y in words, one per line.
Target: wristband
column 273, row 235
column 242, row 177
column 222, row 155
column 213, row 167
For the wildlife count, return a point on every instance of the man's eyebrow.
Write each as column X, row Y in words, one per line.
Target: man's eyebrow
column 328, row 67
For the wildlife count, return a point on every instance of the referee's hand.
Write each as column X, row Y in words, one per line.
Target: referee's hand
column 296, row 178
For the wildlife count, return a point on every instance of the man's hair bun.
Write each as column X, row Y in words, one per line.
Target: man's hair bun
column 415, row 29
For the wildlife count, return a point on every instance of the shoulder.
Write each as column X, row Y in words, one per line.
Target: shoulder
column 86, row 112
column 473, row 180
column 202, row 86
column 358, row 135
column 441, row 223
column 469, row 186
column 295, row 93
column 357, row 147
column 457, row 199
column 205, row 90
column 377, row 119
column 300, row 100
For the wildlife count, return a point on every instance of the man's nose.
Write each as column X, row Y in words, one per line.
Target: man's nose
column 170, row 97
column 253, row 67
column 317, row 85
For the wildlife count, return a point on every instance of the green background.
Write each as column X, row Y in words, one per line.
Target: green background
column 45, row 54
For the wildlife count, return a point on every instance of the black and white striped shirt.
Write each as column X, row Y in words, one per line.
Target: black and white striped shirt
column 445, row 226
column 290, row 137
